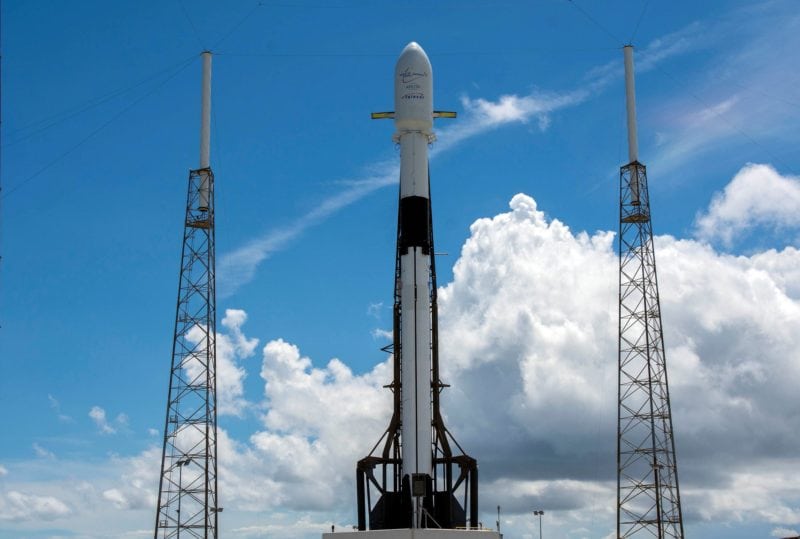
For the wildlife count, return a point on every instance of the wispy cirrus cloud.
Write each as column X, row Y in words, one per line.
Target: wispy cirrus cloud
column 239, row 266
column 479, row 116
column 43, row 453
column 56, row 407
column 743, row 95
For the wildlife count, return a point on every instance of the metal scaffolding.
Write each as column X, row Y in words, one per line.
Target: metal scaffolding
column 648, row 498
column 187, row 494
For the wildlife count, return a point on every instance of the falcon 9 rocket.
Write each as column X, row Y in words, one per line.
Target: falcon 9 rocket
column 419, row 481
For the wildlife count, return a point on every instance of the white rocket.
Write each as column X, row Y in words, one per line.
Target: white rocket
column 413, row 118
column 416, row 490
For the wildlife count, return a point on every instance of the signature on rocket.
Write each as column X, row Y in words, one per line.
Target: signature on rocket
column 407, row 75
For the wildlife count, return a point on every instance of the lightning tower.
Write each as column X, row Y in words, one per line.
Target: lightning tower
column 187, row 493
column 648, row 499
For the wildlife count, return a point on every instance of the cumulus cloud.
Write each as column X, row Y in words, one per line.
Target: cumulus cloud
column 528, row 342
column 232, row 347
column 3, row 471
column 528, row 330
column 758, row 196
column 382, row 334
column 138, row 483
column 318, row 419
column 18, row 506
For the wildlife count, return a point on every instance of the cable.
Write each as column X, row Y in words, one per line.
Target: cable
column 638, row 22
column 593, row 21
column 61, row 117
column 194, row 28
column 238, row 24
column 394, row 54
column 93, row 133
column 303, row 55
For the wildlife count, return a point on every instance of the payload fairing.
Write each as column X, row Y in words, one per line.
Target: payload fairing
column 419, row 479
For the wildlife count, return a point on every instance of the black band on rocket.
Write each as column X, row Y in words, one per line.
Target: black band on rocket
column 415, row 224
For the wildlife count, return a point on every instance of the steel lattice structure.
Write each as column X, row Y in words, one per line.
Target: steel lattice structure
column 187, row 497
column 648, row 498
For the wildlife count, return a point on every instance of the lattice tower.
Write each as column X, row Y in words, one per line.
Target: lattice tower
column 187, row 493
column 187, row 500
column 648, row 498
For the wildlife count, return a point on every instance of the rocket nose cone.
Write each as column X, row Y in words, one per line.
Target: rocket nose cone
column 413, row 90
column 415, row 54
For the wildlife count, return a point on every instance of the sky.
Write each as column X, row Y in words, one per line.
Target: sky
column 100, row 126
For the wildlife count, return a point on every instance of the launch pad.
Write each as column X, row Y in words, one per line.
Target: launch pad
column 419, row 533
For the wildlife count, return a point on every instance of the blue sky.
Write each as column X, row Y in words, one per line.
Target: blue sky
column 100, row 125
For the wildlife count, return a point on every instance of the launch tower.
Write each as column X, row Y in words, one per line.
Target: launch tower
column 648, row 499
column 187, row 493
column 416, row 476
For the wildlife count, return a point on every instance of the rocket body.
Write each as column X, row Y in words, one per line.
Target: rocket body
column 407, row 494
column 414, row 123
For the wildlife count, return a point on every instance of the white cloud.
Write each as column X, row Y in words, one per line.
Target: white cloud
column 382, row 334
column 480, row 116
column 784, row 532
column 374, row 310
column 528, row 333
column 138, row 484
column 238, row 267
column 18, row 506
column 43, row 453
column 56, row 406
column 3, row 471
column 528, row 343
column 741, row 101
column 758, row 196
column 98, row 415
column 231, row 348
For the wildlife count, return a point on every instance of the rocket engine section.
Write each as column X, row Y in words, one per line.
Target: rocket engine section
column 419, row 479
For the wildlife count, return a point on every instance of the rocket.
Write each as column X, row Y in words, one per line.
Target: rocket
column 417, row 483
column 414, row 123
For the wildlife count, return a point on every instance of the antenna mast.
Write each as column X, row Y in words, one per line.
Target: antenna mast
column 648, row 499
column 187, row 493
